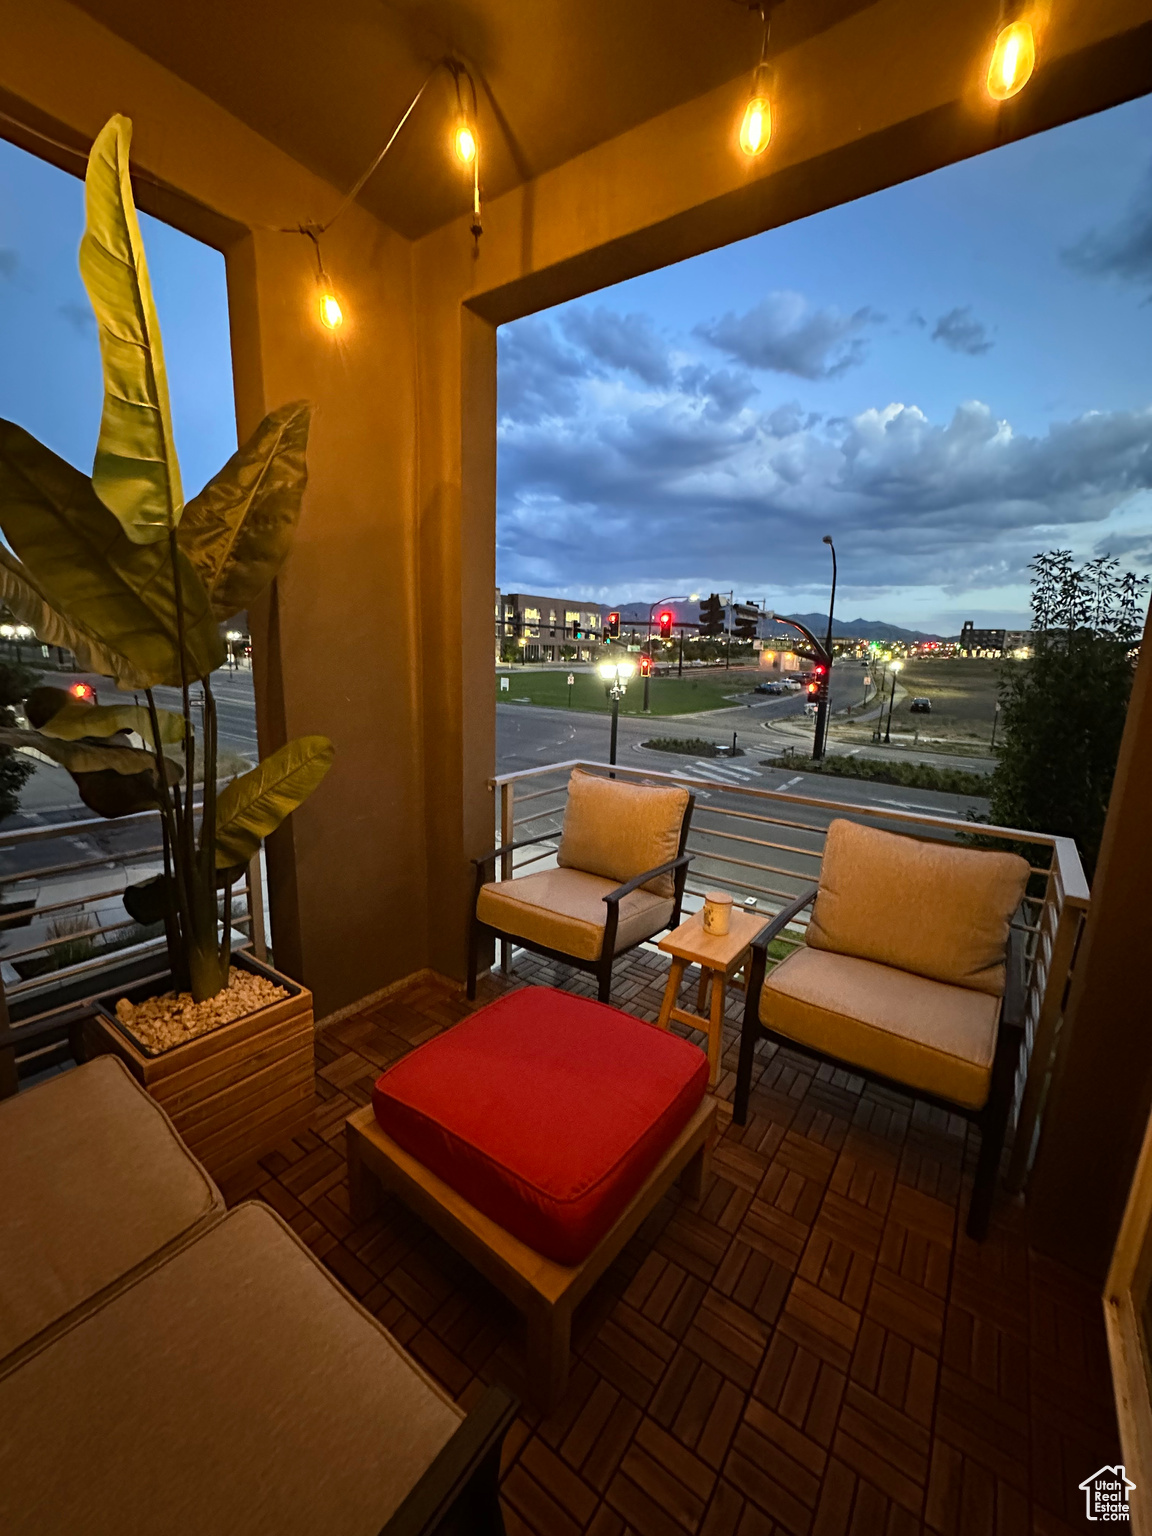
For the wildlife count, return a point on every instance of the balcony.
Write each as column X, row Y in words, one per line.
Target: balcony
column 816, row 1347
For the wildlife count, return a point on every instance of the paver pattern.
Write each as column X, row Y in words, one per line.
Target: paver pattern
column 816, row 1349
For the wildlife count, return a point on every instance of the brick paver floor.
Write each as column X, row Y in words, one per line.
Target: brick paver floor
column 816, row 1349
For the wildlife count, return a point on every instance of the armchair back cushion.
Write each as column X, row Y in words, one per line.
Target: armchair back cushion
column 616, row 830
column 930, row 908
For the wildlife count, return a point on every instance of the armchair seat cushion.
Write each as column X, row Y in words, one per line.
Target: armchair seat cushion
column 96, row 1184
column 564, row 909
column 934, row 1037
column 233, row 1390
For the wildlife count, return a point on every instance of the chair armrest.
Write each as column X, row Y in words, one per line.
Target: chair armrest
column 1015, row 992
column 524, row 842
column 649, row 874
column 458, row 1492
column 782, row 919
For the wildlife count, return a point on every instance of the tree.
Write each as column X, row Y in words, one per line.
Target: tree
column 15, row 771
column 1063, row 709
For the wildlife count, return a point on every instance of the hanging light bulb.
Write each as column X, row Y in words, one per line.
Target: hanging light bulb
column 756, row 129
column 1013, row 60
column 756, row 124
column 331, row 315
column 464, row 143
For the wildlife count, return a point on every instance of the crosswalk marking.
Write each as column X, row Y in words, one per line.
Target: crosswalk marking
column 718, row 775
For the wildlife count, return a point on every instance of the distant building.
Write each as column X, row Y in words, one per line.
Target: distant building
column 993, row 642
column 547, row 628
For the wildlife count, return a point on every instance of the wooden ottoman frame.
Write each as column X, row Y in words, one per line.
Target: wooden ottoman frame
column 546, row 1292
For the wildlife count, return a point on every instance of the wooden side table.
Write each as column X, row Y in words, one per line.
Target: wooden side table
column 718, row 959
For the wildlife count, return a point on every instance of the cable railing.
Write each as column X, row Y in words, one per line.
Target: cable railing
column 765, row 846
column 65, row 936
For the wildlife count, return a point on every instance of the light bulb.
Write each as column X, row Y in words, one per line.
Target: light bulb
column 756, row 129
column 465, row 144
column 1013, row 60
column 331, row 314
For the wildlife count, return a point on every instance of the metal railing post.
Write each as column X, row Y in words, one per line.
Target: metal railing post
column 507, row 835
column 254, row 881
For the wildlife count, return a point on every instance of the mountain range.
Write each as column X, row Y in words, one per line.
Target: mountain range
column 845, row 629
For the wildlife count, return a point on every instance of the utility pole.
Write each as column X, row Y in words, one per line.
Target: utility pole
column 680, row 665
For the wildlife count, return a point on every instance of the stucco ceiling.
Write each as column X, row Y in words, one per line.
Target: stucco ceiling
column 327, row 81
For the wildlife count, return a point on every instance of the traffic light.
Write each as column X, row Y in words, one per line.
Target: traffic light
column 645, row 666
column 666, row 624
column 612, row 629
column 747, row 617
column 712, row 616
column 81, row 692
column 813, row 690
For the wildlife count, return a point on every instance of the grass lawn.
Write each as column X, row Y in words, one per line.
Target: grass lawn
column 667, row 695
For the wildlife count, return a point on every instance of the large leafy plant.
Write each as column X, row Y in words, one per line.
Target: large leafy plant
column 136, row 583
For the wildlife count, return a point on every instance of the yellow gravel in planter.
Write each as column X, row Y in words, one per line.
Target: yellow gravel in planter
column 173, row 1017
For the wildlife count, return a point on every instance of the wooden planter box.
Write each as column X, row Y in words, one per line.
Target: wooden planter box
column 235, row 1092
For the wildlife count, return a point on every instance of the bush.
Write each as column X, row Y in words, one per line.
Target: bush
column 1063, row 711
column 951, row 781
column 16, row 683
column 691, row 746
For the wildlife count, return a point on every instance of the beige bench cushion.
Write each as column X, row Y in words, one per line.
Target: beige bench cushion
column 96, row 1181
column 926, row 1034
column 927, row 907
column 617, row 830
column 564, row 909
column 233, row 1390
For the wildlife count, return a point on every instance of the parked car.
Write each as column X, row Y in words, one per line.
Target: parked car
column 920, row 707
column 771, row 688
column 793, row 684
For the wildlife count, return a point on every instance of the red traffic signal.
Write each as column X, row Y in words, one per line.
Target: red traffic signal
column 666, row 624
column 645, row 666
column 81, row 692
column 613, row 626
column 819, row 669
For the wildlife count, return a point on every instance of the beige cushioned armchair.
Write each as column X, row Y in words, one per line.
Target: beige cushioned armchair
column 620, row 878
column 911, row 975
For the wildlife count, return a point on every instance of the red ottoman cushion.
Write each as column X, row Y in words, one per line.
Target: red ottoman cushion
column 545, row 1111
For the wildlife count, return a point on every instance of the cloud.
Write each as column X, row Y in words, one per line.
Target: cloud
column 680, row 486
column 9, row 262
column 785, row 334
column 78, row 316
column 628, row 342
column 1125, row 250
column 960, row 331
column 537, row 373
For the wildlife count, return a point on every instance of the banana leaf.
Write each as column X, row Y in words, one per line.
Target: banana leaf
column 87, row 568
column 238, row 530
column 83, row 756
column 135, row 473
column 145, row 901
column 44, row 702
column 255, row 804
column 76, row 720
column 113, row 794
column 23, row 598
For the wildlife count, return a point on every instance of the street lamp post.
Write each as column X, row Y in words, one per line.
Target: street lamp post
column 615, row 675
column 823, row 703
column 896, row 665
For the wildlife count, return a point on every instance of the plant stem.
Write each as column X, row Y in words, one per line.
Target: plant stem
column 176, row 907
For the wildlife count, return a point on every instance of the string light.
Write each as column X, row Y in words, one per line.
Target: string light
column 465, row 144
column 331, row 311
column 1013, row 60
column 756, row 124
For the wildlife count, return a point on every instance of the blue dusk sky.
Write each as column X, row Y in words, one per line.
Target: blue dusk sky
column 948, row 377
column 50, row 380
